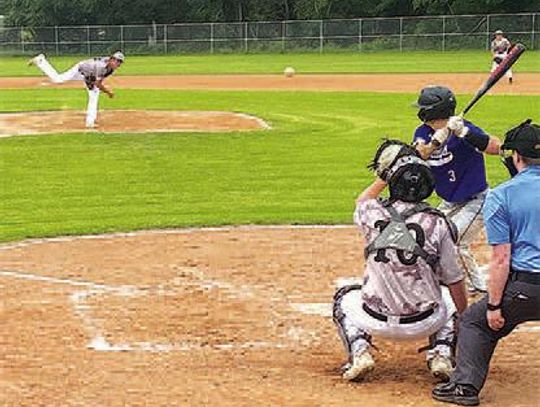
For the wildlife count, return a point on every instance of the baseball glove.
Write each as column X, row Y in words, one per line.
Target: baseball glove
column 497, row 60
column 388, row 152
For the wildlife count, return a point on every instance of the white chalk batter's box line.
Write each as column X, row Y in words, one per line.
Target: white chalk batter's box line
column 98, row 341
column 96, row 333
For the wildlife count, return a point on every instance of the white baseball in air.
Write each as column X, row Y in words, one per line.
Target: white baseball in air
column 289, row 72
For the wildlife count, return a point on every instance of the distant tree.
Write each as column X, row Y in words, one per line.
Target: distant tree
column 75, row 12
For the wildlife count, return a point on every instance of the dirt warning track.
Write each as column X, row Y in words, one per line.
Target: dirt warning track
column 525, row 83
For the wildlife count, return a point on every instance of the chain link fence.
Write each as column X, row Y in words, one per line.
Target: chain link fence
column 367, row 34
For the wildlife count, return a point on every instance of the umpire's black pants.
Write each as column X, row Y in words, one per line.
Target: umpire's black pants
column 477, row 341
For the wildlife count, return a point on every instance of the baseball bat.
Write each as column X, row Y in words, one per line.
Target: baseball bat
column 512, row 57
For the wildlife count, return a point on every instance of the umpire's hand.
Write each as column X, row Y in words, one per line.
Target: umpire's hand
column 495, row 319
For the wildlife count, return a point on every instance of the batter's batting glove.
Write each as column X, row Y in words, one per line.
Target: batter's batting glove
column 457, row 126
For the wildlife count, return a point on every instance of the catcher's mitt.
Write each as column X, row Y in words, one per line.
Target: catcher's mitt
column 388, row 152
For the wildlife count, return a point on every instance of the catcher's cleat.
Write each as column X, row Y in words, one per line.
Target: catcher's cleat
column 35, row 60
column 441, row 367
column 362, row 363
column 461, row 394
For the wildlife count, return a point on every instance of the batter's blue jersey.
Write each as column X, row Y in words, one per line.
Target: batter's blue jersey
column 458, row 167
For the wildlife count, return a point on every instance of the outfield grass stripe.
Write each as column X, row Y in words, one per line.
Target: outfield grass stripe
column 307, row 170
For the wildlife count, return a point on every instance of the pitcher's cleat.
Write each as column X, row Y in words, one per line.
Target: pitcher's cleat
column 362, row 363
column 35, row 60
column 460, row 394
column 441, row 367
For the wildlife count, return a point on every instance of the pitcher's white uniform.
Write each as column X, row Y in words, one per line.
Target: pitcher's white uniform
column 500, row 49
column 89, row 71
column 397, row 285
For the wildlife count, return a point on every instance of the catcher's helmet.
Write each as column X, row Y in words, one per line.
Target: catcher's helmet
column 408, row 176
column 436, row 102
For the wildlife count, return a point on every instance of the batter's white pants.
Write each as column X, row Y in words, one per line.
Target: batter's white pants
column 72, row 74
column 494, row 66
column 467, row 216
column 356, row 326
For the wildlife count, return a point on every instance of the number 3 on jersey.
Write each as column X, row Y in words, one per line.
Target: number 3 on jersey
column 452, row 176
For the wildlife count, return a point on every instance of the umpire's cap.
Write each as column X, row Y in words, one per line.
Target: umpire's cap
column 524, row 138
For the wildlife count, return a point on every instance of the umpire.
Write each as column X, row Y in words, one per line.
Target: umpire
column 512, row 221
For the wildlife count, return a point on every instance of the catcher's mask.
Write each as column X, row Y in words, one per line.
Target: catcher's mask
column 525, row 139
column 435, row 102
column 408, row 176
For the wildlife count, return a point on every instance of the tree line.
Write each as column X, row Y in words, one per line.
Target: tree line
column 78, row 12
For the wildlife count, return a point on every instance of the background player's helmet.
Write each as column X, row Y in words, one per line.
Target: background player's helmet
column 408, row 176
column 525, row 139
column 436, row 102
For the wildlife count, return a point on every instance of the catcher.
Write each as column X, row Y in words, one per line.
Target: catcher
column 92, row 71
column 500, row 46
column 412, row 284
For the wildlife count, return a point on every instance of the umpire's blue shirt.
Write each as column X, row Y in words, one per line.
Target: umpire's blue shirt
column 512, row 215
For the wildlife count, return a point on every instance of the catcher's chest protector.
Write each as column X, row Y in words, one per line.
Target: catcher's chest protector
column 397, row 236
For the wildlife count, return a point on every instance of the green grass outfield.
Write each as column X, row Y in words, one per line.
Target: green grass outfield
column 380, row 62
column 308, row 169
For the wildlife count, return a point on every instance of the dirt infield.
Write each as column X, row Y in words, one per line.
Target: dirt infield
column 127, row 121
column 229, row 317
column 525, row 83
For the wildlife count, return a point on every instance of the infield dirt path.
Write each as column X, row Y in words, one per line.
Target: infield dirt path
column 525, row 83
column 237, row 317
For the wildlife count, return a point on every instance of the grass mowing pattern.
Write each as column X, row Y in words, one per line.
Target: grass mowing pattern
column 379, row 62
column 308, row 169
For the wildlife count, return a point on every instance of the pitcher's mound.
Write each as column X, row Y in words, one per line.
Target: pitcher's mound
column 127, row 121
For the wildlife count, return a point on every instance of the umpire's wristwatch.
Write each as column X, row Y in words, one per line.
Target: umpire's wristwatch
column 492, row 307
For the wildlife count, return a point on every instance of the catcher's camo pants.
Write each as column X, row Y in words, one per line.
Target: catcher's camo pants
column 467, row 216
column 356, row 326
column 72, row 74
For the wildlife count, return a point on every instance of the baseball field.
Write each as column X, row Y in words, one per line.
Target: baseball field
column 187, row 250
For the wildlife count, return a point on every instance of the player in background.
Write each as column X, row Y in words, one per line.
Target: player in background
column 410, row 251
column 455, row 156
column 92, row 71
column 500, row 46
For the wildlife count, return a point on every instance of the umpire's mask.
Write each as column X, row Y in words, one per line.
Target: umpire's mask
column 525, row 139
column 408, row 176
